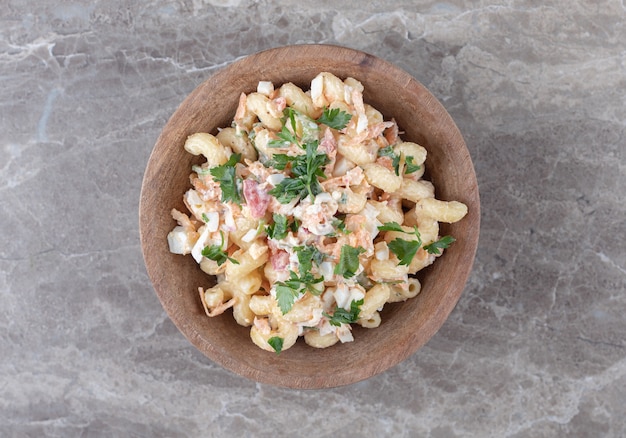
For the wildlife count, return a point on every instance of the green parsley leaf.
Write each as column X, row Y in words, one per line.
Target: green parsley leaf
column 339, row 224
column 395, row 158
column 295, row 225
column 205, row 218
column 225, row 175
column 285, row 139
column 348, row 261
column 306, row 280
column 335, row 118
column 288, row 291
column 276, row 343
column 309, row 282
column 343, row 316
column 443, row 243
column 217, row 253
column 285, row 296
column 278, row 229
column 391, row 226
column 311, row 168
column 294, row 122
column 405, row 250
column 289, row 189
column 279, row 161
column 306, row 169
column 411, row 167
column 306, row 256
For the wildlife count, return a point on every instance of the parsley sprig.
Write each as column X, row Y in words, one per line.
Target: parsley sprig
column 286, row 137
column 288, row 291
column 307, row 255
column 410, row 165
column 348, row 261
column 280, row 226
column 395, row 158
column 278, row 229
column 295, row 122
column 217, row 253
column 437, row 246
column 276, row 342
column 343, row 316
column 226, row 176
column 405, row 250
column 305, row 168
column 335, row 118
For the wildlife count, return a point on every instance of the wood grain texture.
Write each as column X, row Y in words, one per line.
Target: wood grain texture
column 406, row 326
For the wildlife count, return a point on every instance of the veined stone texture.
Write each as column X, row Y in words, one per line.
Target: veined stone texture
column 536, row 347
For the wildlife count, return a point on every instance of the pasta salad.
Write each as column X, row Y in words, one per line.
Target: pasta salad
column 311, row 212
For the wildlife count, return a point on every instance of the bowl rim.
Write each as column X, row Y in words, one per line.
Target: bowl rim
column 343, row 377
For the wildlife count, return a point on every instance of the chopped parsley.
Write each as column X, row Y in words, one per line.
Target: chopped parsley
column 288, row 291
column 286, row 137
column 306, row 256
column 205, row 218
column 348, row 261
column 343, row 316
column 411, row 167
column 405, row 250
column 339, row 224
column 277, row 230
column 391, row 226
column 443, row 243
column 286, row 296
column 225, row 175
column 289, row 189
column 288, row 134
column 281, row 226
column 295, row 225
column 279, row 161
column 305, row 169
column 217, row 253
column 395, row 158
column 276, row 343
column 335, row 118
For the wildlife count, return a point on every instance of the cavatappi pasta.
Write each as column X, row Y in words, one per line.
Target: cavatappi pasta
column 311, row 212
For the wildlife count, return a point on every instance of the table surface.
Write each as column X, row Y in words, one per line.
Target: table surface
column 536, row 346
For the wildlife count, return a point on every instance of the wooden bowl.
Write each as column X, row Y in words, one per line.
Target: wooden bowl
column 406, row 326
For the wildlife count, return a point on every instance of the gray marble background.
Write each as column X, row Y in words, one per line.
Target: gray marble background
column 536, row 347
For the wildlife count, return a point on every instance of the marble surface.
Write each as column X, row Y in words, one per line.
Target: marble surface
column 536, row 347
